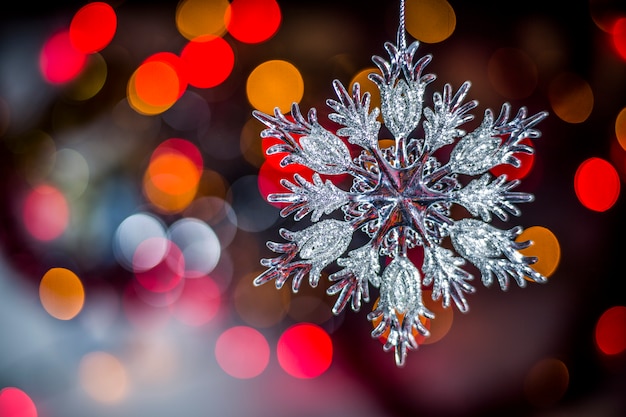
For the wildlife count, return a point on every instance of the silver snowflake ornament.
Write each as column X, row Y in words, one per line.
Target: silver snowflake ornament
column 400, row 197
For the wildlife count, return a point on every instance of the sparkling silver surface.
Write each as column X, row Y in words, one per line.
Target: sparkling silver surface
column 401, row 197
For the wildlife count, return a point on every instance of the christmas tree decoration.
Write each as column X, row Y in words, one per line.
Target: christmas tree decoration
column 401, row 197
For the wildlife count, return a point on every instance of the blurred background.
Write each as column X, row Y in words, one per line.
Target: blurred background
column 133, row 216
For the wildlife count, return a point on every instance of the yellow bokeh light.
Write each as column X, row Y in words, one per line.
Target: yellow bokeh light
column 444, row 317
column 140, row 106
column 545, row 246
column 571, row 98
column 620, row 128
column 90, row 81
column 61, row 293
column 103, row 377
column 430, row 21
column 201, row 17
column 273, row 84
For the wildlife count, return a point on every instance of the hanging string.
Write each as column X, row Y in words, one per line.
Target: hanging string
column 402, row 27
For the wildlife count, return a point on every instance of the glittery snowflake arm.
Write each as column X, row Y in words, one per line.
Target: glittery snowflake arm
column 317, row 149
column 481, row 198
column 494, row 252
column 450, row 282
column 352, row 112
column 352, row 282
column 400, row 294
column 484, row 148
column 318, row 197
column 402, row 88
column 317, row 246
column 441, row 126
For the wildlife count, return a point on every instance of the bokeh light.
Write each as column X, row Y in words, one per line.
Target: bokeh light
column 597, row 184
column 274, row 83
column 430, row 21
column 157, row 83
column 198, row 303
column 305, row 350
column 201, row 17
column 199, row 245
column 46, row 212
column 571, row 98
column 173, row 175
column 134, row 230
column 619, row 37
column 208, row 60
column 59, row 61
column 90, row 81
column 16, row 403
column 253, row 21
column 546, row 382
column 512, row 73
column 441, row 325
column 545, row 246
column 93, row 27
column 620, row 128
column 610, row 331
column 242, row 352
column 61, row 293
column 167, row 273
column 103, row 377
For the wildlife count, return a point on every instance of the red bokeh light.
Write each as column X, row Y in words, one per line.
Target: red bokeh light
column 93, row 27
column 208, row 61
column 611, row 331
column 597, row 184
column 16, row 403
column 253, row 21
column 305, row 350
column 59, row 61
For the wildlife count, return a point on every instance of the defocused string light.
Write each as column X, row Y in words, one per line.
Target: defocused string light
column 70, row 173
column 597, row 184
column 155, row 84
column 16, row 403
column 430, row 21
column 546, row 382
column 571, row 98
column 201, row 17
column 199, row 245
column 439, row 327
column 61, row 293
column 274, row 83
column 46, row 212
column 545, row 246
column 93, row 27
column 620, row 128
column 59, row 61
column 619, row 37
column 305, row 351
column 242, row 352
column 103, row 377
column 610, row 331
column 90, row 81
column 252, row 21
column 208, row 61
column 134, row 230
column 604, row 13
column 198, row 303
column 167, row 273
column 512, row 73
